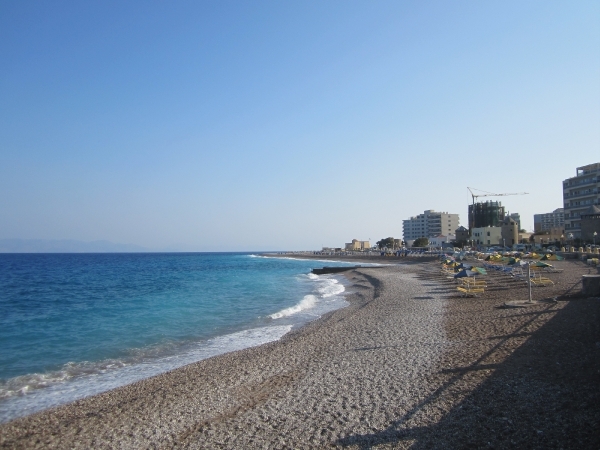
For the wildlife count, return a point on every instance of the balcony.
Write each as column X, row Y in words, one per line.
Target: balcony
column 574, row 182
column 589, row 192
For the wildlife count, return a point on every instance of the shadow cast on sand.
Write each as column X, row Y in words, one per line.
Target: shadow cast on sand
column 544, row 395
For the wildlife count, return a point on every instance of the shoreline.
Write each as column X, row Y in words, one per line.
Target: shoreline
column 255, row 332
column 408, row 363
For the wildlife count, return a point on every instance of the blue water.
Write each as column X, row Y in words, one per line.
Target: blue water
column 73, row 325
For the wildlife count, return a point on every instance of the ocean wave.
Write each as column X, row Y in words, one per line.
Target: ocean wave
column 325, row 288
column 26, row 394
column 334, row 287
column 308, row 302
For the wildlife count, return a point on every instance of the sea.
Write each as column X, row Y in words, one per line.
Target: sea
column 74, row 325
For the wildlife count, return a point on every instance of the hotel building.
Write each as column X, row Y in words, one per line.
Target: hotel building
column 429, row 224
column 579, row 193
column 544, row 222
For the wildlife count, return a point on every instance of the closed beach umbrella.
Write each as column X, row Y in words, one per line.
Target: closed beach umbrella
column 465, row 273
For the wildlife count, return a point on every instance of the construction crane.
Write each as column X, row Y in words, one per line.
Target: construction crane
column 487, row 194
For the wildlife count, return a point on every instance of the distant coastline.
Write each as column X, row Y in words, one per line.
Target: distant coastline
column 66, row 246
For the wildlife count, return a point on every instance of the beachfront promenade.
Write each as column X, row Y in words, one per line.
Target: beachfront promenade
column 409, row 364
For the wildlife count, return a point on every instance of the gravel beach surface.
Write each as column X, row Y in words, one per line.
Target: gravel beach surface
column 409, row 364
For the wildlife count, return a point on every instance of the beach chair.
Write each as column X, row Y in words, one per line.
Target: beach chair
column 470, row 282
column 541, row 281
column 468, row 291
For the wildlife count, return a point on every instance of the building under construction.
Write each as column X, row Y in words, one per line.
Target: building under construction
column 486, row 214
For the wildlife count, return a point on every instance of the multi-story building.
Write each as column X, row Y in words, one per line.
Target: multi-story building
column 579, row 193
column 590, row 224
column 486, row 214
column 543, row 222
column 429, row 224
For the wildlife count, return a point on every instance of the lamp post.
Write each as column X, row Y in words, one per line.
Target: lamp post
column 570, row 236
column 595, row 234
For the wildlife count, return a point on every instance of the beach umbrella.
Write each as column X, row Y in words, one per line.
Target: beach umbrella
column 480, row 270
column 512, row 261
column 465, row 273
column 542, row 264
column 464, row 266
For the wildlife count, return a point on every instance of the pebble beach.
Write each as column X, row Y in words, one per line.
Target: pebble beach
column 409, row 364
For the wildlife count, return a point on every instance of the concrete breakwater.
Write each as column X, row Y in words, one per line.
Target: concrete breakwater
column 326, row 270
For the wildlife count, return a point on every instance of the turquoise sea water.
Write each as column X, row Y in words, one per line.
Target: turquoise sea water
column 73, row 325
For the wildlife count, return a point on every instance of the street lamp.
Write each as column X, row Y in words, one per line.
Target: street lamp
column 570, row 236
column 595, row 234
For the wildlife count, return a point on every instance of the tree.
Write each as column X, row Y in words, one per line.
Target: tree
column 421, row 242
column 387, row 242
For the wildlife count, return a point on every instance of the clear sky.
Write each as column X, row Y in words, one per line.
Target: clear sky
column 224, row 125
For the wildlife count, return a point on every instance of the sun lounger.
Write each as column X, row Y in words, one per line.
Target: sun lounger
column 473, row 283
column 541, row 281
column 469, row 291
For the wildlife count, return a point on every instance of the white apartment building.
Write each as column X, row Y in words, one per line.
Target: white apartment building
column 579, row 193
column 544, row 222
column 429, row 224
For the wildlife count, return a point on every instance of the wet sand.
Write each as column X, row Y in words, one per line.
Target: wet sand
column 408, row 364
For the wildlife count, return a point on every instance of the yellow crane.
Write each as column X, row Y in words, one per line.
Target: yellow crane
column 487, row 194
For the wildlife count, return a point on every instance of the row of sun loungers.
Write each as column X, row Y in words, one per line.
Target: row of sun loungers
column 518, row 273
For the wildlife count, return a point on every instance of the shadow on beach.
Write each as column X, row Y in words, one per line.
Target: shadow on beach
column 544, row 395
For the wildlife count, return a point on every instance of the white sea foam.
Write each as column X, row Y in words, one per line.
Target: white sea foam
column 24, row 396
column 327, row 291
column 307, row 302
column 349, row 263
column 334, row 287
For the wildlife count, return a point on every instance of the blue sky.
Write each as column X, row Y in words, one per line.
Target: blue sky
column 286, row 125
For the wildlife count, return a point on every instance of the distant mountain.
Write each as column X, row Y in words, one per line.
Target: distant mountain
column 65, row 246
